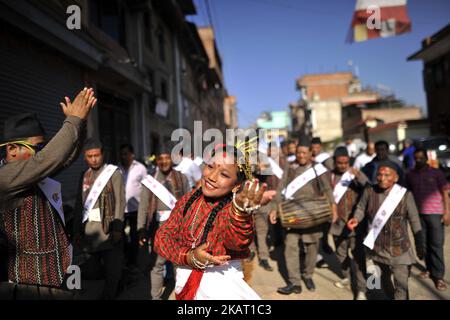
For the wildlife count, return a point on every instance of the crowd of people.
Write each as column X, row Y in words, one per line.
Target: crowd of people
column 199, row 221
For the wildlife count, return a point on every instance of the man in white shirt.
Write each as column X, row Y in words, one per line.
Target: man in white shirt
column 319, row 155
column 351, row 148
column 133, row 173
column 190, row 169
column 365, row 157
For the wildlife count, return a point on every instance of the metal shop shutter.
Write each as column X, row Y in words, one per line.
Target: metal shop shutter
column 34, row 78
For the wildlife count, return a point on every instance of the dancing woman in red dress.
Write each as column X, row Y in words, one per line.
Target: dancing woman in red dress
column 210, row 229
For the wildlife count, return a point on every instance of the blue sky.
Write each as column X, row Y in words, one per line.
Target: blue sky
column 266, row 44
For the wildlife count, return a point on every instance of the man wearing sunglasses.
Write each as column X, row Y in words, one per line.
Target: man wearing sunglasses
column 34, row 249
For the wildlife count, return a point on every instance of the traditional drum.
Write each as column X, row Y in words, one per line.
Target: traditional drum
column 305, row 213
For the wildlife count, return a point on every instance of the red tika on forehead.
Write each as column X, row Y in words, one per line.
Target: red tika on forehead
column 221, row 146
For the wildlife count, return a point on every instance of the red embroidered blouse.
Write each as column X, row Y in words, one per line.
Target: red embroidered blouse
column 229, row 234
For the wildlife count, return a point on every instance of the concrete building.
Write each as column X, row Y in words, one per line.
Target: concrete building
column 274, row 120
column 358, row 118
column 335, row 105
column 318, row 112
column 396, row 132
column 435, row 53
column 230, row 112
column 214, row 93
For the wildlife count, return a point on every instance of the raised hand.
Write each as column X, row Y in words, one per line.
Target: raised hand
column 82, row 104
column 250, row 197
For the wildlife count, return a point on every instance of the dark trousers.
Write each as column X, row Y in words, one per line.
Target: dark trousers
column 108, row 263
column 3, row 257
column 343, row 247
column 397, row 290
column 131, row 243
column 262, row 230
column 433, row 230
column 292, row 257
column 3, row 265
column 14, row 291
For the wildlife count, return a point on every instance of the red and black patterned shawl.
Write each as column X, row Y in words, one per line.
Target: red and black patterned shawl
column 38, row 248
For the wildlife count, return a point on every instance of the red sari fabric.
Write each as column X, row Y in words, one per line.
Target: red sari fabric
column 190, row 288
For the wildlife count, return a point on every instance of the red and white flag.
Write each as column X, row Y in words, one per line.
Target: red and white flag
column 379, row 18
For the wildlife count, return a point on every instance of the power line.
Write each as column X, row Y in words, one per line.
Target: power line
column 290, row 7
column 218, row 29
column 208, row 10
column 204, row 14
column 307, row 10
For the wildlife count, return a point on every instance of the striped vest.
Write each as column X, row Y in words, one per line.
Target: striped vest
column 38, row 248
column 349, row 200
column 394, row 235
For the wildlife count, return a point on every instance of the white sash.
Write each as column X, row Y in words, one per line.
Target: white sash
column 52, row 191
column 275, row 168
column 163, row 215
column 184, row 165
column 322, row 157
column 303, row 179
column 97, row 189
column 160, row 191
column 384, row 213
column 341, row 188
column 218, row 283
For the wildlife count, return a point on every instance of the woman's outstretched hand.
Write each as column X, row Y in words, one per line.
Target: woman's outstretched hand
column 250, row 196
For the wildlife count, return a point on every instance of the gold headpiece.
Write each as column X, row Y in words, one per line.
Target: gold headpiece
column 246, row 147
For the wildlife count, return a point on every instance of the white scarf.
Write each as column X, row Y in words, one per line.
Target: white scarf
column 342, row 186
column 383, row 214
column 97, row 189
column 160, row 191
column 303, row 179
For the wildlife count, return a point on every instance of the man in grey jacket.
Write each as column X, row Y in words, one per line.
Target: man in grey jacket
column 98, row 229
column 152, row 208
column 36, row 249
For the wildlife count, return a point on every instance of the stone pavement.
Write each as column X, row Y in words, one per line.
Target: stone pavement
column 136, row 284
column 265, row 283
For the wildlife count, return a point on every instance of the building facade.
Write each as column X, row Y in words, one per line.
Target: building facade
column 147, row 63
column 318, row 112
column 435, row 54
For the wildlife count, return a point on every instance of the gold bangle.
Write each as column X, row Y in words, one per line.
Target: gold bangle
column 240, row 217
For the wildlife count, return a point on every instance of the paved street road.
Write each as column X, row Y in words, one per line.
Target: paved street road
column 265, row 283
